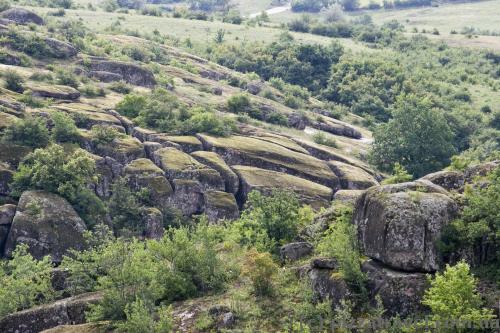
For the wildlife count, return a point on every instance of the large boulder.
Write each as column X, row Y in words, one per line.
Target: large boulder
column 336, row 127
column 129, row 72
column 153, row 223
column 47, row 224
column 66, row 311
column 186, row 143
column 347, row 197
column 107, row 169
column 214, row 161
column 401, row 293
column 179, row 165
column 265, row 181
column 60, row 49
column 220, row 205
column 326, row 283
column 21, row 16
column 295, row 251
column 447, row 179
column 6, row 176
column 123, row 149
column 54, row 91
column 400, row 224
column 7, row 213
column 248, row 151
column 188, row 196
column 351, row 177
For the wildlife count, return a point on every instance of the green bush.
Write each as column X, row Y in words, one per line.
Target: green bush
column 120, row 87
column 125, row 209
column 69, row 175
column 206, row 121
column 399, row 175
column 131, row 105
column 102, row 134
column 261, row 270
column 30, row 131
column 67, row 77
column 24, row 281
column 13, row 81
column 239, row 103
column 64, row 129
column 321, row 139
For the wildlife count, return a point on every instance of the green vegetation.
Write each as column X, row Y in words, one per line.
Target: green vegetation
column 399, row 175
column 24, row 281
column 64, row 129
column 30, row 131
column 13, row 81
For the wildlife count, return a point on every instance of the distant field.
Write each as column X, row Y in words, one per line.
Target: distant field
column 198, row 31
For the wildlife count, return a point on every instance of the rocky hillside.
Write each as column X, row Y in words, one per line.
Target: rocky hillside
column 185, row 138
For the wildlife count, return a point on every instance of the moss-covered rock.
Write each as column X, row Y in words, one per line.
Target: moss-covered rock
column 214, row 161
column 82, row 328
column 187, row 144
column 351, row 177
column 65, row 311
column 153, row 223
column 220, row 205
column 7, row 213
column 54, row 91
column 6, row 120
column 107, row 169
column 336, row 127
column 91, row 115
column 129, row 72
column 123, row 149
column 6, row 175
column 347, row 197
column 400, row 224
column 239, row 150
column 265, row 181
column 179, row 165
column 21, row 16
column 47, row 224
column 188, row 196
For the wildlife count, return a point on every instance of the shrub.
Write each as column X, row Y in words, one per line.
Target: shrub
column 120, row 87
column 131, row 105
column 261, row 270
column 31, row 100
column 69, row 175
column 322, row 139
column 239, row 103
column 91, row 90
column 399, row 175
column 66, row 77
column 64, row 129
column 453, row 295
column 30, row 131
column 204, row 121
column 125, row 209
column 24, row 281
column 102, row 134
column 13, row 81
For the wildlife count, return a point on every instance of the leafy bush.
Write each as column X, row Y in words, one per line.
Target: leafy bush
column 322, row 139
column 453, row 295
column 102, row 134
column 64, row 129
column 67, row 78
column 131, row 105
column 69, row 175
column 206, row 121
column 261, row 270
column 399, row 175
column 30, row 131
column 120, row 87
column 13, row 81
column 239, row 103
column 125, row 209
column 24, row 281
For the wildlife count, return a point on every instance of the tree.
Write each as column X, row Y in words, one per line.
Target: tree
column 417, row 137
column 399, row 175
column 64, row 129
column 453, row 295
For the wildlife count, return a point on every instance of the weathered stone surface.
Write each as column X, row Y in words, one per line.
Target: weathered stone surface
column 6, row 175
column 66, row 311
column 21, row 16
column 93, row 116
column 336, row 127
column 214, row 161
column 143, row 173
column 123, row 149
column 108, row 169
column 400, row 224
column 12, row 154
column 131, row 73
column 327, row 285
column 143, row 134
column 7, row 213
column 480, row 170
column 186, row 143
column 348, row 197
column 82, row 328
column 220, row 205
column 266, row 181
column 325, row 263
column 10, row 58
column 104, row 76
column 188, row 196
column 255, row 87
column 179, row 165
column 54, row 91
column 450, row 180
column 401, row 293
column 295, row 251
column 239, row 150
column 47, row 224
column 351, row 177
column 153, row 223
column 60, row 49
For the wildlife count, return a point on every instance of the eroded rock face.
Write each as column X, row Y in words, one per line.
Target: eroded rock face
column 21, row 16
column 66, row 311
column 47, row 224
column 7, row 213
column 220, row 205
column 188, row 196
column 351, row 177
column 401, row 293
column 60, row 49
column 6, row 175
column 153, row 223
column 129, row 72
column 400, row 224
column 214, row 161
column 295, row 251
column 55, row 91
column 450, row 180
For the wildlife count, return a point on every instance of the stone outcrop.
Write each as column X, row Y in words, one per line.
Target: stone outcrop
column 401, row 293
column 247, row 151
column 295, row 251
column 123, row 149
column 336, row 127
column 186, row 143
column 153, row 223
column 66, row 311
column 21, row 16
column 188, row 196
column 266, row 181
column 179, row 165
column 214, row 161
column 129, row 72
column 400, row 224
column 220, row 205
column 54, row 91
column 60, row 49
column 47, row 224
column 449, row 180
column 7, row 213
column 348, row 197
column 352, row 177
column 6, row 175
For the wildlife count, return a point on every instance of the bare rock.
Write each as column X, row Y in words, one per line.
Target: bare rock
column 295, row 251
column 450, row 180
column 131, row 73
column 21, row 16
column 220, row 206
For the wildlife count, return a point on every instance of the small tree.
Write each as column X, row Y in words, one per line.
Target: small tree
column 261, row 269
column 399, row 175
column 64, row 129
column 453, row 295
